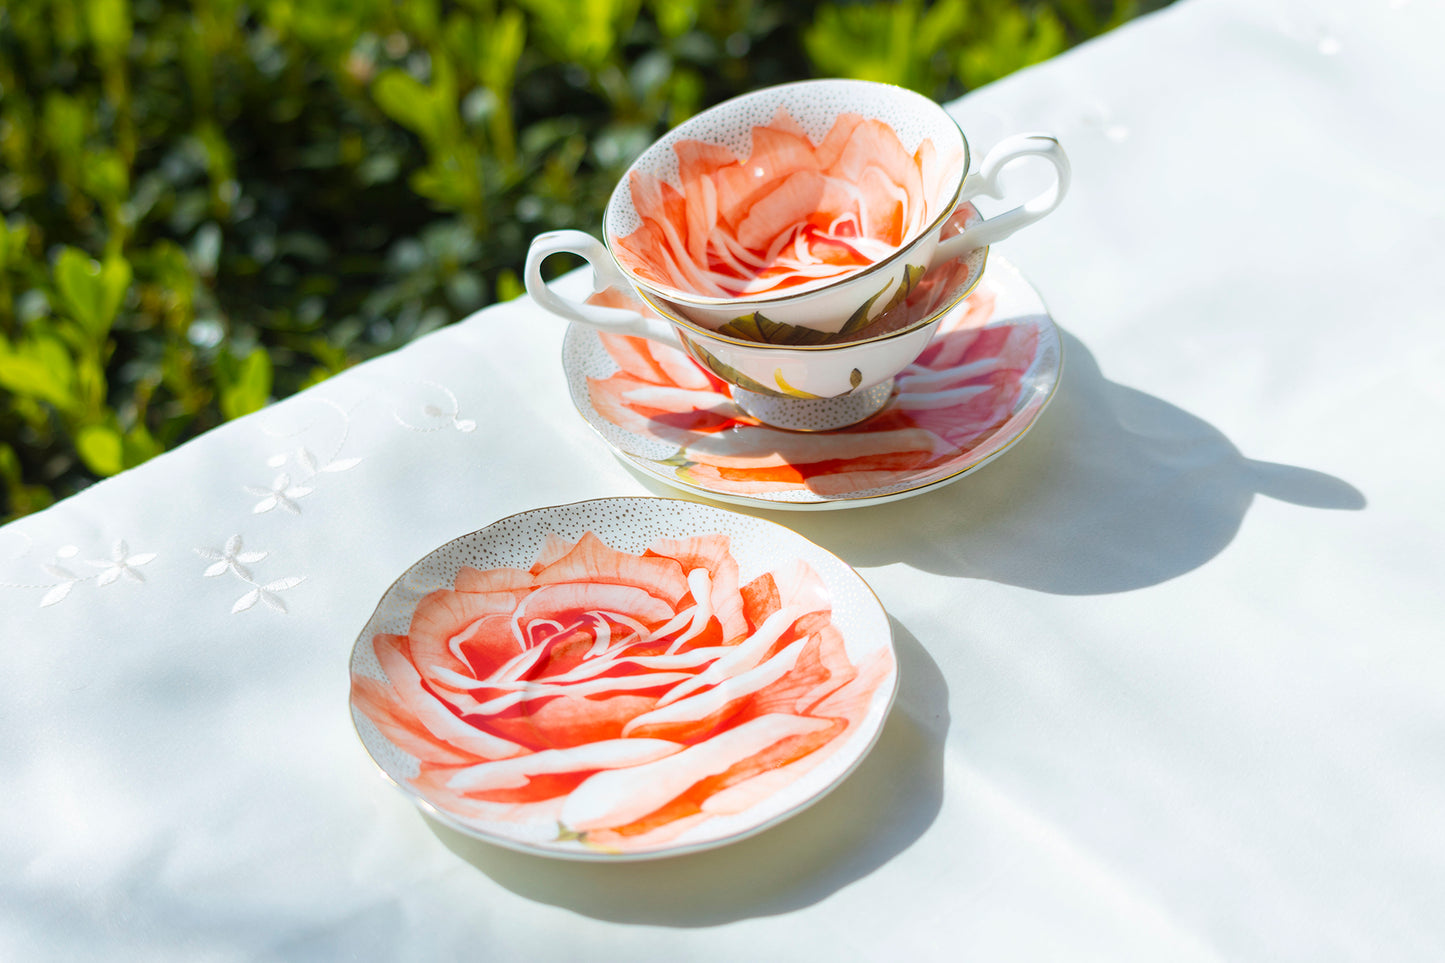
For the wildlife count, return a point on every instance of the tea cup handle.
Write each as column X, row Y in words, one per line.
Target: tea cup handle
column 986, row 180
column 606, row 274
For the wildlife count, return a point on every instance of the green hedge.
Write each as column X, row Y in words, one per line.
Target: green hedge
column 205, row 206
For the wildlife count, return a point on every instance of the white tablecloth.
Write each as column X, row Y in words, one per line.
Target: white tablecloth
column 1173, row 680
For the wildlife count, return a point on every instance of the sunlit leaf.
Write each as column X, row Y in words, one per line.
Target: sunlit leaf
column 91, row 292
column 100, row 447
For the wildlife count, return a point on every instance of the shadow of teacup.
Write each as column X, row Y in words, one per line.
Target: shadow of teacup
column 1113, row 490
column 874, row 814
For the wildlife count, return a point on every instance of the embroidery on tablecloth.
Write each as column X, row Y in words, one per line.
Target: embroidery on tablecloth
column 289, row 486
column 122, row 563
column 232, row 558
column 448, row 416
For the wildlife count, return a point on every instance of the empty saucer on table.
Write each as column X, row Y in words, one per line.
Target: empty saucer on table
column 621, row 679
column 982, row 382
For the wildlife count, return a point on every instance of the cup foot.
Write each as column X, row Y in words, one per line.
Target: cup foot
column 814, row 414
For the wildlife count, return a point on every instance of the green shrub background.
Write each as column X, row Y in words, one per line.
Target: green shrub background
column 206, row 206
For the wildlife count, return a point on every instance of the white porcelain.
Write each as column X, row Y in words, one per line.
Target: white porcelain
column 622, row 679
column 803, row 380
column 826, row 304
column 977, row 389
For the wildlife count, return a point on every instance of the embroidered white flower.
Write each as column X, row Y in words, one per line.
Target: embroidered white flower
column 309, row 465
column 67, row 578
column 121, row 563
column 267, row 595
column 231, row 558
column 281, row 494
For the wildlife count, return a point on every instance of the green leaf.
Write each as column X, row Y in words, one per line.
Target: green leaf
column 429, row 111
column 502, row 48
column 675, row 17
column 90, row 292
column 40, row 368
column 100, row 447
column 106, row 177
column 859, row 318
column 24, row 498
column 1014, row 39
column 509, row 286
column 12, row 243
column 585, row 31
column 250, row 388
column 139, row 445
column 404, row 99
column 867, row 41
column 64, row 124
column 110, row 27
column 762, row 329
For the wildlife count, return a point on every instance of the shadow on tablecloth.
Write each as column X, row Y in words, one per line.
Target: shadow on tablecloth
column 876, row 813
column 1112, row 490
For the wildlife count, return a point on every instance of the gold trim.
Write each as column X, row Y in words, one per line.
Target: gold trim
column 753, row 501
column 458, row 824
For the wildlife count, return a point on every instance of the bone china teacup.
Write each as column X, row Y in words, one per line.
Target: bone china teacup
column 813, row 204
column 804, row 381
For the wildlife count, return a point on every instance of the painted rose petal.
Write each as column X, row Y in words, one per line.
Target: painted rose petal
column 557, row 722
column 656, row 398
column 560, row 646
column 594, row 560
column 873, row 144
column 698, row 161
column 698, row 714
column 620, row 796
column 648, row 360
column 785, row 449
column 493, row 580
column 783, row 121
column 886, row 206
column 401, row 726
column 564, row 601
column 821, row 667
column 714, row 554
column 801, row 589
column 783, row 208
column 467, row 632
column 740, row 658
column 831, row 147
column 437, row 718
column 605, row 754
column 431, row 782
column 780, row 150
column 587, row 688
column 591, row 668
column 943, row 398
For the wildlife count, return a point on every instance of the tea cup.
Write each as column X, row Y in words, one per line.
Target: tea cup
column 814, row 205
column 802, row 380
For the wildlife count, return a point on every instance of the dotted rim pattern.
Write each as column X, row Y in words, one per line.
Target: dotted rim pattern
column 632, row 525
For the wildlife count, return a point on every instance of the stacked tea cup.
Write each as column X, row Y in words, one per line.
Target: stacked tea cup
column 801, row 242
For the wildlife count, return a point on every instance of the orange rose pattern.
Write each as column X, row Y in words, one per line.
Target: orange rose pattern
column 790, row 213
column 950, row 404
column 613, row 698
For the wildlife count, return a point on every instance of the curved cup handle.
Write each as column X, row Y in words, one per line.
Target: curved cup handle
column 607, row 274
column 986, row 181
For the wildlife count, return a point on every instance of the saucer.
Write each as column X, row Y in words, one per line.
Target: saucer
column 982, row 382
column 622, row 679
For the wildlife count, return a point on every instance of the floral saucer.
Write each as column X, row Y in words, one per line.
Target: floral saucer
column 622, row 679
column 982, row 382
